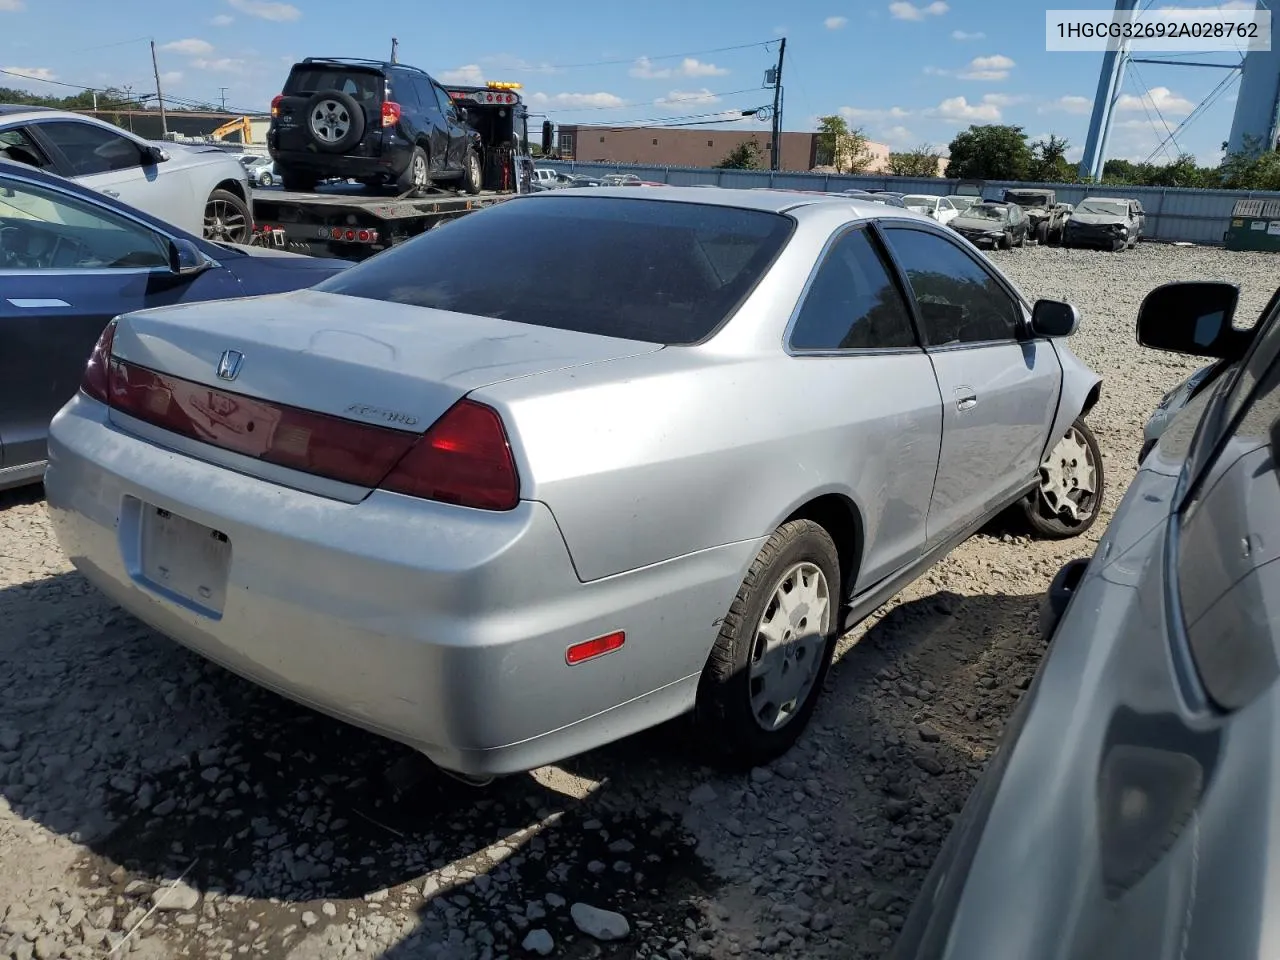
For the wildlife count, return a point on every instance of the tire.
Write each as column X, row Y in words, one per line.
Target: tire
column 1056, row 485
column 416, row 177
column 1042, row 233
column 266, row 180
column 733, row 728
column 297, row 181
column 1022, row 240
column 1118, row 245
column 227, row 218
column 1005, row 242
column 472, row 173
column 334, row 121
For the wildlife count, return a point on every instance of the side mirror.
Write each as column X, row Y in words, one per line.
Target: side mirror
column 155, row 154
column 1193, row 317
column 186, row 259
column 464, row 115
column 1054, row 318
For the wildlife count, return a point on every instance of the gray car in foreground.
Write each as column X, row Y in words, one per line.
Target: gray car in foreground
column 1132, row 809
column 655, row 464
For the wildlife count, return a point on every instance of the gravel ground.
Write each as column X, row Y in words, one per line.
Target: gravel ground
column 153, row 805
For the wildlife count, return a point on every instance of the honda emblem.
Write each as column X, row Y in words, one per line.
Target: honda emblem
column 229, row 365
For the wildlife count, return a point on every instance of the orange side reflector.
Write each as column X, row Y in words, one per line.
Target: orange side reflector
column 590, row 649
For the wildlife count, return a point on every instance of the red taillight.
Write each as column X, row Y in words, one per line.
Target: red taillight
column 97, row 372
column 351, row 234
column 275, row 104
column 390, row 113
column 590, row 649
column 364, row 236
column 463, row 459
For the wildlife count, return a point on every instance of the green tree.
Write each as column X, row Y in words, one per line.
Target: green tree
column 1049, row 162
column 990, row 152
column 745, row 156
column 831, row 131
column 1255, row 167
column 853, row 153
column 923, row 161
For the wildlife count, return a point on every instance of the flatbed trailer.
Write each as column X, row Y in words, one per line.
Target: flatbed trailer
column 346, row 222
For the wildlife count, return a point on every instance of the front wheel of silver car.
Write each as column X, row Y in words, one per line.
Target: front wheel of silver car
column 766, row 670
column 227, row 218
column 1068, row 499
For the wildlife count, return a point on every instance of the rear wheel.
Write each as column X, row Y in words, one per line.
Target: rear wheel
column 472, row 175
column 227, row 218
column 1069, row 497
column 1006, row 241
column 266, row 180
column 297, row 180
column 766, row 670
column 416, row 178
column 1042, row 233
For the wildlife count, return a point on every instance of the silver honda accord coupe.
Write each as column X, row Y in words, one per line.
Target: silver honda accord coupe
column 573, row 465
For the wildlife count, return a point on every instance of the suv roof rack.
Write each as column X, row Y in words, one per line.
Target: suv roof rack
column 379, row 63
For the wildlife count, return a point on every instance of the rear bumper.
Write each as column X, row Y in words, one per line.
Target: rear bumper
column 440, row 627
column 392, row 160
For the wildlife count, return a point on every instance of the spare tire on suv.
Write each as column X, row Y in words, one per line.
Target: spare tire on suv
column 334, row 121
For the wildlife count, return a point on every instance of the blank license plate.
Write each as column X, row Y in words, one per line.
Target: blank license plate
column 185, row 558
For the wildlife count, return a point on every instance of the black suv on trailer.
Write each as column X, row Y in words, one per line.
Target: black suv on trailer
column 368, row 120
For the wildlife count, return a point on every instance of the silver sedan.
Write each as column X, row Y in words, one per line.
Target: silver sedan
column 573, row 465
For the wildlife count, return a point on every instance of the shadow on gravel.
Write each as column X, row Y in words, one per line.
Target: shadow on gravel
column 21, row 496
column 166, row 766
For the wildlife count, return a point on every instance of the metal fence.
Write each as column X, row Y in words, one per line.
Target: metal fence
column 1173, row 213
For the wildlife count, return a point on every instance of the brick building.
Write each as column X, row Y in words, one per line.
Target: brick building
column 682, row 147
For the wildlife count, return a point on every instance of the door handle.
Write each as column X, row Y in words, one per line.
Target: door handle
column 36, row 303
column 112, row 193
column 966, row 401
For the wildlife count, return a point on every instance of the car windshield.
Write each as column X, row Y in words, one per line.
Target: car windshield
column 963, row 203
column 1029, row 199
column 1109, row 208
column 986, row 211
column 924, row 203
column 656, row 271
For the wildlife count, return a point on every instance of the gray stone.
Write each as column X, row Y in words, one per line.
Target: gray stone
column 309, row 919
column 175, row 898
column 599, row 924
column 704, row 793
column 539, row 942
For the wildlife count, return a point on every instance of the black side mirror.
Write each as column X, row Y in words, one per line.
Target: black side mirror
column 186, row 259
column 1193, row 317
column 154, row 154
column 464, row 115
column 1054, row 318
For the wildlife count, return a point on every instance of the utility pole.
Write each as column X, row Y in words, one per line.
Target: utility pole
column 95, row 101
column 777, row 108
column 394, row 45
column 155, row 68
column 222, row 93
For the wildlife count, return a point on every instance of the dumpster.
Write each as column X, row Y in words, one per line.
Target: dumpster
column 1255, row 225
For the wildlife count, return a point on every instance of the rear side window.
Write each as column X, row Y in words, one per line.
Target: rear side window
column 360, row 84
column 656, row 271
column 852, row 303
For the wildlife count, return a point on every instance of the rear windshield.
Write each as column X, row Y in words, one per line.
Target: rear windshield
column 650, row 270
column 361, row 84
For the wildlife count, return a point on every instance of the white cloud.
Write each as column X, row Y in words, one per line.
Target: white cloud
column 1157, row 98
column 172, row 76
column 835, row 23
column 995, row 67
column 32, row 73
column 266, row 10
column 11, row 6
column 958, row 108
column 688, row 97
column 898, row 137
column 191, row 47
column 873, row 114
column 644, row 69
column 902, row 10
column 1004, row 99
column 222, row 20
column 471, row 75
column 577, row 101
column 967, row 35
column 505, row 61
column 1070, row 103
column 221, row 65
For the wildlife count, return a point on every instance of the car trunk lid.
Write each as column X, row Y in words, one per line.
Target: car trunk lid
column 366, row 86
column 333, row 386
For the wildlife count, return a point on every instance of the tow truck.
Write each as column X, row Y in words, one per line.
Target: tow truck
column 344, row 220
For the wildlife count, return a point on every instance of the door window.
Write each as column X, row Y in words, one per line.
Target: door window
column 853, row 302
column 16, row 145
column 43, row 229
column 959, row 300
column 90, row 149
column 426, row 96
column 443, row 101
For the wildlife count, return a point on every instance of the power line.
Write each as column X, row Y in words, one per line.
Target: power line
column 645, row 103
column 106, row 46
column 1212, row 97
column 1155, row 106
column 665, row 56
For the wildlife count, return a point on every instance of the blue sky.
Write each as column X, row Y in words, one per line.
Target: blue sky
column 906, row 72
